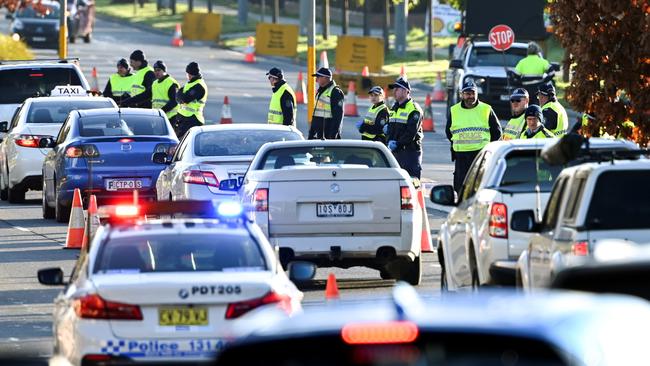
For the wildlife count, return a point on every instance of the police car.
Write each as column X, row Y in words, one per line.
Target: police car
column 21, row 156
column 165, row 290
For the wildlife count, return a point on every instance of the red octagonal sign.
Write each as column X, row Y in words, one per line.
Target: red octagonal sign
column 501, row 37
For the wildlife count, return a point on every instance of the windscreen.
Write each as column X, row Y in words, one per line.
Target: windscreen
column 57, row 111
column 16, row 85
column 616, row 204
column 487, row 56
column 180, row 253
column 322, row 155
column 232, row 142
column 51, row 12
column 122, row 125
column 525, row 168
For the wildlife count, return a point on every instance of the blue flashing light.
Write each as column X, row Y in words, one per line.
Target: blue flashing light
column 230, row 209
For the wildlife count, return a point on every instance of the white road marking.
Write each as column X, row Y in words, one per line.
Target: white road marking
column 22, row 229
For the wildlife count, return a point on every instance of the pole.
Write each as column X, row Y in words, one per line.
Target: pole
column 209, row 6
column 304, row 16
column 386, row 23
column 276, row 11
column 326, row 19
column 63, row 31
column 243, row 12
column 401, row 11
column 346, row 18
column 263, row 11
column 366, row 18
column 311, row 59
column 430, row 51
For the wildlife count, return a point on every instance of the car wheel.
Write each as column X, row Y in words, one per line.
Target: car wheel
column 4, row 192
column 61, row 212
column 385, row 275
column 411, row 272
column 16, row 194
column 476, row 283
column 48, row 212
column 444, row 287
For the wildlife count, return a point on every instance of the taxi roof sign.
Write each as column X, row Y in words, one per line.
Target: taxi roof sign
column 68, row 91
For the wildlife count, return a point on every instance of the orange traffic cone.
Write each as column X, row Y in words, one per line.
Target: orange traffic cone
column 74, row 239
column 323, row 60
column 425, row 238
column 177, row 39
column 331, row 289
column 94, row 83
column 402, row 71
column 365, row 72
column 427, row 120
column 93, row 221
column 226, row 116
column 389, row 99
column 250, row 50
column 301, row 96
column 350, row 109
column 439, row 94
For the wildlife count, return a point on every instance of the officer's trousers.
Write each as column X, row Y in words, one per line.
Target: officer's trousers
column 182, row 124
column 322, row 128
column 463, row 162
column 411, row 161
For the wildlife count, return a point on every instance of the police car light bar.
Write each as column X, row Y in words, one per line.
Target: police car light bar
column 189, row 209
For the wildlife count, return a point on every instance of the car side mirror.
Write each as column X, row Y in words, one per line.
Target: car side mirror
column 301, row 271
column 456, row 64
column 524, row 221
column 160, row 158
column 443, row 195
column 4, row 126
column 51, row 276
column 230, row 185
column 46, row 143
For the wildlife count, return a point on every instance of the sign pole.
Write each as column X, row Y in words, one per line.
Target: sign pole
column 311, row 59
column 63, row 31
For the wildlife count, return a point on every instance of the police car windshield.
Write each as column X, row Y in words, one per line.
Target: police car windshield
column 243, row 142
column 487, row 56
column 322, row 155
column 122, row 125
column 57, row 111
column 199, row 252
column 16, row 85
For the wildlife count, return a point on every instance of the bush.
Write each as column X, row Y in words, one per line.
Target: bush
column 13, row 50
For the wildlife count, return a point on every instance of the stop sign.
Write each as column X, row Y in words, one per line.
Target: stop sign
column 501, row 37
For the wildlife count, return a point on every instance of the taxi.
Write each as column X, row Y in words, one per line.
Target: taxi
column 165, row 290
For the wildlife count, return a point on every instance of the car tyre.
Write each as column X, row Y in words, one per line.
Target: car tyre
column 444, row 287
column 385, row 275
column 476, row 282
column 411, row 272
column 61, row 212
column 4, row 192
column 48, row 212
column 16, row 194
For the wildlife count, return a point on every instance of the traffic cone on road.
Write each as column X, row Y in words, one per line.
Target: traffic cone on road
column 402, row 71
column 177, row 39
column 93, row 221
column 425, row 237
column 94, row 83
column 427, row 120
column 301, row 97
column 350, row 109
column 76, row 225
column 331, row 289
column 226, row 116
column 438, row 92
column 250, row 50
column 323, row 60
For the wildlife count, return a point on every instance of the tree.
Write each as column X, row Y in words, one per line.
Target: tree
column 608, row 47
column 13, row 5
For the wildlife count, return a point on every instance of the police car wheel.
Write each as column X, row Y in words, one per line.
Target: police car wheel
column 16, row 194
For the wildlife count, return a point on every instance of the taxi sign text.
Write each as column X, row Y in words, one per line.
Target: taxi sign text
column 68, row 90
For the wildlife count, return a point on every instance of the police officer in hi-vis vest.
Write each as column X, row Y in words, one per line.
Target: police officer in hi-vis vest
column 518, row 104
column 142, row 79
column 191, row 101
column 535, row 124
column 119, row 84
column 163, row 91
column 471, row 124
column 283, row 106
column 404, row 129
column 328, row 112
column 555, row 116
column 372, row 125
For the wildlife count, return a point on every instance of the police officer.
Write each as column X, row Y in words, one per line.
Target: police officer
column 328, row 113
column 555, row 116
column 282, row 107
column 191, row 100
column 119, row 84
column 471, row 124
column 516, row 124
column 163, row 91
column 142, row 79
column 372, row 125
column 533, row 64
column 535, row 124
column 404, row 129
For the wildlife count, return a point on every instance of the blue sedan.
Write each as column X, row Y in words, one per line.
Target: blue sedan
column 106, row 152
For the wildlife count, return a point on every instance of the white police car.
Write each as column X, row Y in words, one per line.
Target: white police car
column 165, row 290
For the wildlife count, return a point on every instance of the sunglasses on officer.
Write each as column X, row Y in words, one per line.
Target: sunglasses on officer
column 515, row 100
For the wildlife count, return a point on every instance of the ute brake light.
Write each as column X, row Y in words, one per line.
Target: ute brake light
column 200, row 177
column 261, row 199
column 498, row 227
column 238, row 309
column 390, row 332
column 406, row 198
column 580, row 248
column 93, row 306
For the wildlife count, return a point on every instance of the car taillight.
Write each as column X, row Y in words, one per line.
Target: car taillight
column 390, row 332
column 406, row 198
column 498, row 220
column 165, row 148
column 94, row 307
column 82, row 151
column 580, row 248
column 261, row 199
column 238, row 309
column 29, row 140
column 200, row 177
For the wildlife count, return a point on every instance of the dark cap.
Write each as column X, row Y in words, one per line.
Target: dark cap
column 137, row 55
column 323, row 71
column 546, row 90
column 400, row 83
column 376, row 90
column 160, row 65
column 275, row 72
column 193, row 68
column 534, row 111
column 123, row 63
column 519, row 93
column 469, row 85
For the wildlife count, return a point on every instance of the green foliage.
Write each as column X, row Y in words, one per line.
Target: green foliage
column 13, row 50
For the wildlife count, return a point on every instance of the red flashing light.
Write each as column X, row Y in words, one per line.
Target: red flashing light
column 380, row 333
column 126, row 210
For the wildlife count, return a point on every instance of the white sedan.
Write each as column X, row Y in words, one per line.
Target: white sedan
column 165, row 290
column 209, row 154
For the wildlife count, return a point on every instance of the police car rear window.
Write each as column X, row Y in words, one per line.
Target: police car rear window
column 322, row 155
column 122, row 125
column 180, row 253
column 16, row 85
column 244, row 142
column 57, row 111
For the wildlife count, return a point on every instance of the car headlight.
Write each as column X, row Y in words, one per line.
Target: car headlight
column 18, row 25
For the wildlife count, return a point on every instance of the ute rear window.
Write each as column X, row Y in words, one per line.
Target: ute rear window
column 16, row 85
column 57, row 111
column 615, row 205
column 322, row 155
column 122, row 125
column 180, row 253
column 231, row 143
column 525, row 168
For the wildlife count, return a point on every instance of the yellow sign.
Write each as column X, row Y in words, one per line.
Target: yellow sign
column 201, row 26
column 276, row 39
column 353, row 53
